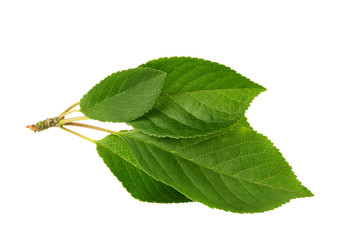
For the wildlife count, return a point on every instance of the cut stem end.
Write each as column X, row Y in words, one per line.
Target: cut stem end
column 32, row 128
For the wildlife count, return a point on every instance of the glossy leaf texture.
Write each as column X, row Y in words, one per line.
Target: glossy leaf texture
column 118, row 157
column 198, row 97
column 236, row 170
column 123, row 96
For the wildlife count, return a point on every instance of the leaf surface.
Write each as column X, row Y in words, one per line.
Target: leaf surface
column 123, row 96
column 236, row 169
column 118, row 157
column 198, row 97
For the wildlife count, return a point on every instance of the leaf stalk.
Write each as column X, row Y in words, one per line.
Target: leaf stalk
column 69, row 120
column 78, row 134
column 91, row 127
column 62, row 115
column 69, row 108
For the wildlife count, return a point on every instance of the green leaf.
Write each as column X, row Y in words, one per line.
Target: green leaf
column 118, row 157
column 123, row 96
column 236, row 170
column 198, row 97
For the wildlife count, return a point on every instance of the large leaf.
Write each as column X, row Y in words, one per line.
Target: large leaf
column 123, row 96
column 118, row 157
column 198, row 97
column 235, row 170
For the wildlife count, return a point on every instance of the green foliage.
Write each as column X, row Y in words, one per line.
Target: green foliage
column 123, row 96
column 235, row 170
column 198, row 97
column 191, row 140
column 120, row 160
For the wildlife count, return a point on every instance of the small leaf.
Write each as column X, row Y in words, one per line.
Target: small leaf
column 123, row 96
column 198, row 97
column 236, row 169
column 118, row 157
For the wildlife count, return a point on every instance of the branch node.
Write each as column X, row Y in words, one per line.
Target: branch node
column 45, row 124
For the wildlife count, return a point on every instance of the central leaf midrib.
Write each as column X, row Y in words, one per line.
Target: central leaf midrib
column 210, row 90
column 220, row 173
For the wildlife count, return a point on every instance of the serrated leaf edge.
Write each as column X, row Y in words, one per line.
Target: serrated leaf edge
column 208, row 61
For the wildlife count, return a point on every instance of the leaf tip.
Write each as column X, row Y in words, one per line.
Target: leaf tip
column 307, row 192
column 263, row 88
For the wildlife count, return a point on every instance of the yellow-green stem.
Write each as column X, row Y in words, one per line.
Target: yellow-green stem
column 91, row 127
column 70, row 107
column 64, row 114
column 69, row 120
column 77, row 134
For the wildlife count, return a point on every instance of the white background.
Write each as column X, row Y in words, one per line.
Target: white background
column 53, row 185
